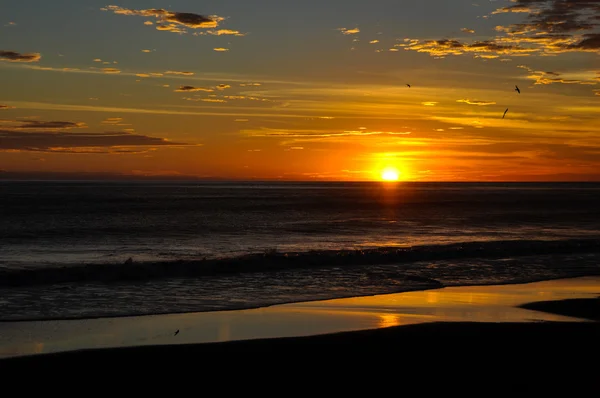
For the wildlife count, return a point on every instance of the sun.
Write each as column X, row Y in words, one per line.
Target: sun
column 390, row 174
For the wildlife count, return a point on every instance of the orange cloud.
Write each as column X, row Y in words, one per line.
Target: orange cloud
column 348, row 31
column 175, row 72
column 110, row 70
column 467, row 30
column 221, row 49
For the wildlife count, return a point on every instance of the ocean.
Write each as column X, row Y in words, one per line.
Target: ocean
column 205, row 246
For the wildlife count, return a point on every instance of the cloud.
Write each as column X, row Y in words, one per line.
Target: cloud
column 347, row 31
column 175, row 72
column 249, row 84
column 429, row 103
column 467, row 30
column 221, row 32
column 69, row 142
column 112, row 120
column 223, row 86
column 170, row 21
column 309, row 133
column 146, row 51
column 221, row 49
column 6, row 107
column 444, row 47
column 374, row 41
column 13, row 56
column 111, row 70
column 550, row 27
column 548, row 77
column 475, row 102
column 97, row 60
column 185, row 89
column 38, row 124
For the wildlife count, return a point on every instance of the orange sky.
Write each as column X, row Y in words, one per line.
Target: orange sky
column 190, row 92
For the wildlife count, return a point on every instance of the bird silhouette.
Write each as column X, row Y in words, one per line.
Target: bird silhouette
column 408, row 85
column 176, row 332
column 517, row 89
column 504, row 113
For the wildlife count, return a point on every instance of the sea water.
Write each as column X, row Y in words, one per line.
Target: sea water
column 201, row 246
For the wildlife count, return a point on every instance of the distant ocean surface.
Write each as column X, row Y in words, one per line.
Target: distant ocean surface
column 200, row 246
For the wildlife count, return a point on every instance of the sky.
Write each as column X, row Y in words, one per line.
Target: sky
column 301, row 90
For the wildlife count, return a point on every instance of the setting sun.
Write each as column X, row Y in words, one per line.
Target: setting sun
column 390, row 174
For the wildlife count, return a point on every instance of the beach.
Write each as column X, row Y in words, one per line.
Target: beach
column 483, row 327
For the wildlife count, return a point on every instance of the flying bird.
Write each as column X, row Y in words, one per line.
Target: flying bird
column 517, row 89
column 176, row 332
column 504, row 113
column 408, row 85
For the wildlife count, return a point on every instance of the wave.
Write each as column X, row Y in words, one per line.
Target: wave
column 276, row 261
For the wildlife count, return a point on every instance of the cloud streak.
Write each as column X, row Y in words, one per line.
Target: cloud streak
column 68, row 142
column 476, row 102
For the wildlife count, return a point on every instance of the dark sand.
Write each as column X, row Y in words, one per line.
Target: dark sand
column 441, row 356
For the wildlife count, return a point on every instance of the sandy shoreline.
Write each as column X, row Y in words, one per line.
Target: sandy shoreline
column 481, row 338
column 557, row 306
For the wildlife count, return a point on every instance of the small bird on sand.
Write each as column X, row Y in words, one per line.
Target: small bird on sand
column 408, row 85
column 517, row 89
column 176, row 332
column 504, row 113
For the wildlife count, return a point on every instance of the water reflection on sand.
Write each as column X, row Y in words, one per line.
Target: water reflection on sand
column 476, row 303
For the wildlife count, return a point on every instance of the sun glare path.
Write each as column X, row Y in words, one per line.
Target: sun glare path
column 390, row 174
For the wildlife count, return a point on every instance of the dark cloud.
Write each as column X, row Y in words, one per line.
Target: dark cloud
column 549, row 27
column 14, row 56
column 53, row 141
column 171, row 21
column 51, row 125
column 185, row 89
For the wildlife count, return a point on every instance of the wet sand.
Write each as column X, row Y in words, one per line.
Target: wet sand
column 556, row 335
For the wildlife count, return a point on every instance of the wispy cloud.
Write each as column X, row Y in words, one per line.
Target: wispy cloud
column 549, row 77
column 315, row 133
column 476, row 102
column 6, row 107
column 13, row 56
column 32, row 125
column 220, row 32
column 69, row 142
column 467, row 30
column 175, row 72
column 221, row 49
